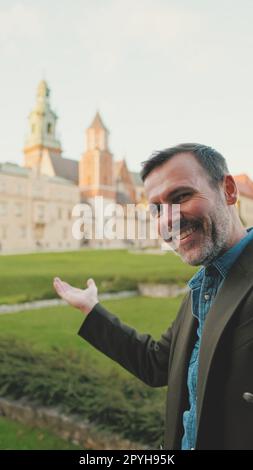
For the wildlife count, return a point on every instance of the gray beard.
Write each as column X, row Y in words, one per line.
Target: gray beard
column 216, row 243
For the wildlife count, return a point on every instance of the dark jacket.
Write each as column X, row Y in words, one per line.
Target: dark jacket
column 225, row 380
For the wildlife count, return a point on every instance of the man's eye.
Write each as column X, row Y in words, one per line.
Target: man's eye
column 181, row 198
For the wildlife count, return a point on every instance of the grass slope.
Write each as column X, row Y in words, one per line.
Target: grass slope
column 29, row 277
column 56, row 327
column 16, row 436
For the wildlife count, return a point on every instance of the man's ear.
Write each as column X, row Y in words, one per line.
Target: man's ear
column 230, row 190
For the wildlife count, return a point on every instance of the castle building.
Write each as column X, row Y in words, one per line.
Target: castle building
column 36, row 199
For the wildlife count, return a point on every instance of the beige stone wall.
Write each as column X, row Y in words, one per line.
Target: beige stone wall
column 14, row 213
column 245, row 207
column 35, row 213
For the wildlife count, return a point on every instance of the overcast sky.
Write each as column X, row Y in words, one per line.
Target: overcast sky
column 161, row 72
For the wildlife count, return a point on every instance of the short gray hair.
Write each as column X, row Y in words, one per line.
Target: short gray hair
column 212, row 161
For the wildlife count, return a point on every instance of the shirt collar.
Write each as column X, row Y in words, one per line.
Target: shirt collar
column 224, row 262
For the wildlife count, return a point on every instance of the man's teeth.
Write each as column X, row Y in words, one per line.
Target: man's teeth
column 186, row 233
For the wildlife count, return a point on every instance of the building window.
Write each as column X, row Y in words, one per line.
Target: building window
column 3, row 208
column 41, row 212
column 49, row 128
column 4, row 233
column 38, row 232
column 38, row 190
column 19, row 188
column 18, row 209
column 22, row 232
column 2, row 186
column 65, row 233
column 33, row 128
column 59, row 213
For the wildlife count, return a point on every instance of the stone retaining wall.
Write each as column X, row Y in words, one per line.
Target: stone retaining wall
column 69, row 428
column 161, row 290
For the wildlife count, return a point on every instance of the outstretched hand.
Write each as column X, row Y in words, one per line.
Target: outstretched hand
column 83, row 299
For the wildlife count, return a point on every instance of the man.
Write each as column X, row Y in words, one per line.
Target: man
column 206, row 356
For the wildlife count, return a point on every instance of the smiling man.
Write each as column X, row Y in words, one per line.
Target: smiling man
column 205, row 357
column 209, row 222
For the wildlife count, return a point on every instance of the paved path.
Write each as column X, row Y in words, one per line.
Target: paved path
column 15, row 308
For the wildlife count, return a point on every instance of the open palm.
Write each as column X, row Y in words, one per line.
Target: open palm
column 83, row 299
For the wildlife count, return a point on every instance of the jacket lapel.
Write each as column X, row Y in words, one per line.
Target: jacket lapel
column 177, row 386
column 236, row 285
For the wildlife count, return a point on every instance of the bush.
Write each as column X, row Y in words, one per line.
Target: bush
column 62, row 379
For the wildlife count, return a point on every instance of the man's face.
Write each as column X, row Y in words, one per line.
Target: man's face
column 205, row 220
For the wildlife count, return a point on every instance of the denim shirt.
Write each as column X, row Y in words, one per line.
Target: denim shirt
column 204, row 286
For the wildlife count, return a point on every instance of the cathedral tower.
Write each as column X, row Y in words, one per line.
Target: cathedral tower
column 42, row 124
column 96, row 175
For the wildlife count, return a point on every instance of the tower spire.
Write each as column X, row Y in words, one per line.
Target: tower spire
column 42, row 128
column 97, row 134
column 96, row 176
column 97, row 123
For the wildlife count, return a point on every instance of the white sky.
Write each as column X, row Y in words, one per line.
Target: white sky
column 161, row 72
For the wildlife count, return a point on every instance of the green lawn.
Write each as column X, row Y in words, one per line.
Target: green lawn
column 16, row 436
column 29, row 277
column 57, row 327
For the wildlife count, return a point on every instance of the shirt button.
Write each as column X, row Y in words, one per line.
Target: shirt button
column 207, row 296
column 248, row 397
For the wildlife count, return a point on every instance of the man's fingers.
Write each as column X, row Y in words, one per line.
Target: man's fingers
column 57, row 282
column 66, row 286
column 65, row 290
column 91, row 283
column 59, row 286
column 62, row 284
